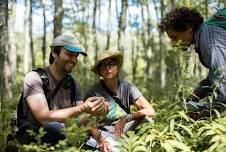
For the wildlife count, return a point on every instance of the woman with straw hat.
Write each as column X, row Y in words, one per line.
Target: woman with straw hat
column 119, row 95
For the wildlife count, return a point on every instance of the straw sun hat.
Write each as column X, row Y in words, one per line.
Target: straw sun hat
column 117, row 55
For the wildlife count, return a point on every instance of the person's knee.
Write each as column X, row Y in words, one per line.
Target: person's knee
column 54, row 132
column 55, row 126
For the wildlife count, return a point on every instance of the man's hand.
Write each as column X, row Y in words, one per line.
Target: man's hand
column 120, row 125
column 105, row 146
column 96, row 105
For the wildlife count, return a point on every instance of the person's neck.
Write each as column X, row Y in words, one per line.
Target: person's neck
column 56, row 73
column 112, row 84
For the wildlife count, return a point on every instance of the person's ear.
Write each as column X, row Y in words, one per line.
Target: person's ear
column 53, row 54
column 118, row 68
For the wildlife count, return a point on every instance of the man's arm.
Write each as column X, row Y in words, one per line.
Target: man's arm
column 201, row 91
column 39, row 108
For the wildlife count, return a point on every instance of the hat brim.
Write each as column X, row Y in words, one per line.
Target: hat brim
column 117, row 56
column 75, row 49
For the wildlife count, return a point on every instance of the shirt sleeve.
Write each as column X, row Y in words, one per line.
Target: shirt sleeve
column 32, row 84
column 213, row 51
column 217, row 71
column 134, row 93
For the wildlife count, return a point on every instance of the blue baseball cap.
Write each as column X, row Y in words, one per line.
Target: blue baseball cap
column 69, row 43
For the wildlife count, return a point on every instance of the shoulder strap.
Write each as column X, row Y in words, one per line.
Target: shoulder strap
column 70, row 83
column 19, row 111
column 45, row 80
column 113, row 95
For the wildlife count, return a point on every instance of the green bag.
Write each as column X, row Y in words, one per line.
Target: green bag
column 219, row 19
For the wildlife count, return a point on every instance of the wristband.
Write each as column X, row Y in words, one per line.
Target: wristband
column 129, row 117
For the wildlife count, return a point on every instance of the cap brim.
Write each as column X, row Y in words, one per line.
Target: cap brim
column 75, row 49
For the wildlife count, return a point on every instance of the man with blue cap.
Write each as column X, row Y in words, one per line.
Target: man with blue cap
column 49, row 109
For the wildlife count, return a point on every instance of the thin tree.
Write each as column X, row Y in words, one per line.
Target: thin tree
column 162, row 69
column 147, row 39
column 172, row 2
column 12, row 43
column 94, row 30
column 31, row 35
column 122, row 24
column 58, row 15
column 44, row 33
column 27, row 32
column 134, row 56
column 162, row 52
column 108, row 25
column 3, row 46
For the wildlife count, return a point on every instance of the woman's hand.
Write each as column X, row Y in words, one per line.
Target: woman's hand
column 120, row 125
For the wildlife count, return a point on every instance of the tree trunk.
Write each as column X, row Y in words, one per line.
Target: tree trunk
column 162, row 53
column 94, row 30
column 85, row 34
column 44, row 35
column 116, row 9
column 27, row 37
column 162, row 70
column 58, row 15
column 31, row 36
column 108, row 26
column 172, row 2
column 3, row 47
column 12, row 44
column 134, row 58
column 122, row 24
column 147, row 40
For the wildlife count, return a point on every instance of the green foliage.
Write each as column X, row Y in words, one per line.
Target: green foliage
column 76, row 135
column 180, row 134
column 6, row 113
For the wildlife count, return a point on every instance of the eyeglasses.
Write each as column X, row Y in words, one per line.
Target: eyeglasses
column 109, row 65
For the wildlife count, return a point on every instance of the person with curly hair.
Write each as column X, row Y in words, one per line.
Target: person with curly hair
column 185, row 27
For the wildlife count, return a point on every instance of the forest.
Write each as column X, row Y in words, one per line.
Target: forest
column 164, row 74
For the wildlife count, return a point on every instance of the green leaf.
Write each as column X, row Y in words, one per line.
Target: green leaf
column 213, row 147
column 140, row 149
column 150, row 138
column 172, row 121
column 183, row 115
column 178, row 145
column 186, row 129
column 178, row 136
column 216, row 139
column 217, row 113
column 167, row 147
column 165, row 130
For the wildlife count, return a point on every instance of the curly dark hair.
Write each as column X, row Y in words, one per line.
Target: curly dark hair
column 180, row 19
